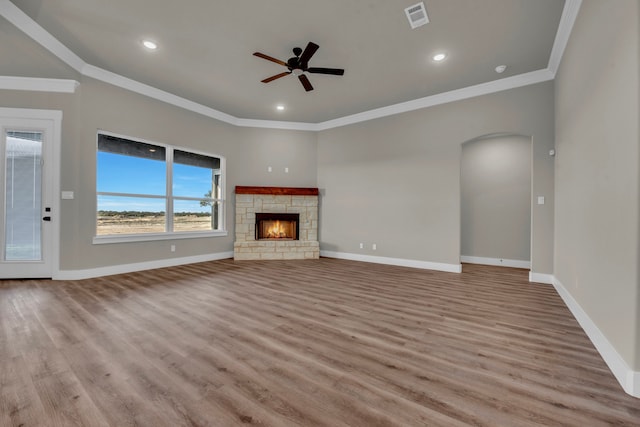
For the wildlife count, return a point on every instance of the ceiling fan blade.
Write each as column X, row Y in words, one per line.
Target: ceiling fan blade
column 277, row 76
column 308, row 53
column 320, row 70
column 269, row 58
column 305, row 82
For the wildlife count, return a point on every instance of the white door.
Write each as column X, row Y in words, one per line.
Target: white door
column 26, row 196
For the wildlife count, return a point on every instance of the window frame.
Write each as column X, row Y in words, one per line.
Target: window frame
column 168, row 196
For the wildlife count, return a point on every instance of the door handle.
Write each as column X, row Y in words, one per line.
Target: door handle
column 46, row 218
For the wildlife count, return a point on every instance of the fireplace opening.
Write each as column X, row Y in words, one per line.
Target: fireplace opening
column 277, row 226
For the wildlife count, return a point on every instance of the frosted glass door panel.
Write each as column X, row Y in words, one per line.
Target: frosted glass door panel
column 23, row 196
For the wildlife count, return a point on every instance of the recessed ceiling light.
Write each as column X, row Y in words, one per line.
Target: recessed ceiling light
column 500, row 69
column 439, row 57
column 280, row 107
column 150, row 44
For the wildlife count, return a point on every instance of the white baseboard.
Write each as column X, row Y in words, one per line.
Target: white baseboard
column 515, row 263
column 426, row 265
column 628, row 379
column 140, row 266
column 547, row 279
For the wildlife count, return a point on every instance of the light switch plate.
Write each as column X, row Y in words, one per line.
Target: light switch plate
column 67, row 195
column 541, row 200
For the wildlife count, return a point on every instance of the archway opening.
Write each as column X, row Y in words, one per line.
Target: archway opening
column 496, row 200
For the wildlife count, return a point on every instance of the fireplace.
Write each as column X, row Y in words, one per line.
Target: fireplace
column 277, row 226
column 276, row 223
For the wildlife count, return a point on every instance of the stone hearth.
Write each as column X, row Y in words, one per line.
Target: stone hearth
column 252, row 200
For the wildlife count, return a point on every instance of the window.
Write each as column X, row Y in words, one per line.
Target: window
column 147, row 190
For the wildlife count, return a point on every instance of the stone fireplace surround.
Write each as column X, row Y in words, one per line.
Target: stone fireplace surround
column 252, row 200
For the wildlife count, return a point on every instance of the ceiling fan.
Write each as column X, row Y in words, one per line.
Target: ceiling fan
column 299, row 64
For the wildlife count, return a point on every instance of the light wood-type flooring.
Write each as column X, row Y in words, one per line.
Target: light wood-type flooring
column 300, row 343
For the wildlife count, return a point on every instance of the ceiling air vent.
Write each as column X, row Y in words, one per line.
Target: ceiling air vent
column 417, row 15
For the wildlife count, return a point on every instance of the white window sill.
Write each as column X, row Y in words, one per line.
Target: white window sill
column 126, row 238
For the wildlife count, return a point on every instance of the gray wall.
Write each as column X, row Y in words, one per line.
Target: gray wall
column 597, row 183
column 98, row 105
column 21, row 56
column 395, row 181
column 496, row 198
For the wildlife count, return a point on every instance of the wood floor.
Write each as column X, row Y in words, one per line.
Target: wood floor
column 300, row 343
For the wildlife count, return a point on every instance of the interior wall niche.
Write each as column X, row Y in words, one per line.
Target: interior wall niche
column 496, row 200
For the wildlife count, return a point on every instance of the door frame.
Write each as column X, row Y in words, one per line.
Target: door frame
column 524, row 264
column 54, row 117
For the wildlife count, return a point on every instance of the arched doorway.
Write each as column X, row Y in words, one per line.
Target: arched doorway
column 496, row 200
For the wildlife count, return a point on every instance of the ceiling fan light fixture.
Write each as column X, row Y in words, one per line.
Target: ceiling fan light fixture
column 297, row 71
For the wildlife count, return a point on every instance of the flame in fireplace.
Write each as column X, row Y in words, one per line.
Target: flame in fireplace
column 276, row 231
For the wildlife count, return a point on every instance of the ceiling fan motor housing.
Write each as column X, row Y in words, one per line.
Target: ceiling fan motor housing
column 293, row 63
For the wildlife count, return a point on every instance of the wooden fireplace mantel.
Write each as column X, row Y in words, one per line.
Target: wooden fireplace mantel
column 277, row 191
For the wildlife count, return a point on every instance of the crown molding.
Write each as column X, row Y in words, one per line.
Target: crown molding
column 69, row 86
column 169, row 98
column 23, row 22
column 274, row 124
column 568, row 18
column 155, row 93
column 38, row 84
column 442, row 98
column 31, row 28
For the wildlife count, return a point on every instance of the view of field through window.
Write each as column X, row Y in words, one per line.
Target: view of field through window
column 133, row 194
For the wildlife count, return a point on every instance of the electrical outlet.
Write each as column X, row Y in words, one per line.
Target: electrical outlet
column 361, row 245
column 173, row 248
column 374, row 246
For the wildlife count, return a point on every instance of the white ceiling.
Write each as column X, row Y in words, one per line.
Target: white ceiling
column 205, row 54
